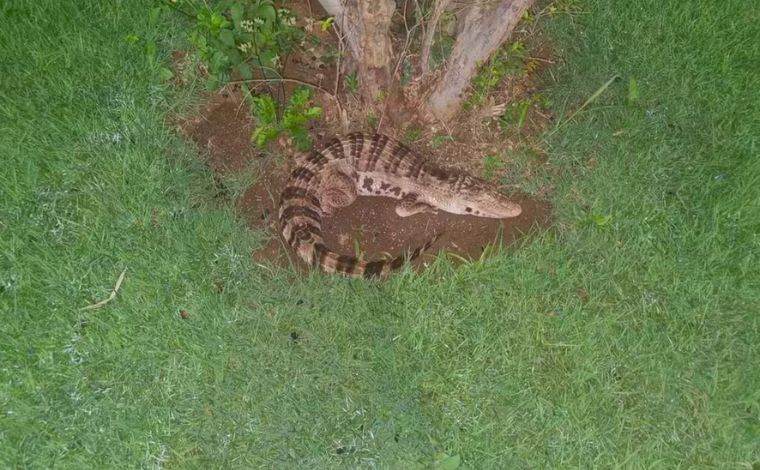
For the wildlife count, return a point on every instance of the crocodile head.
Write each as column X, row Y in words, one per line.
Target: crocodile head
column 478, row 198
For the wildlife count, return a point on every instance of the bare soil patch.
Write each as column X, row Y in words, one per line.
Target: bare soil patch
column 370, row 226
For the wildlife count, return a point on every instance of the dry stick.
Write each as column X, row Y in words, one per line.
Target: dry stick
column 341, row 50
column 427, row 43
column 110, row 297
column 341, row 46
column 540, row 59
column 419, row 14
column 403, row 55
column 340, row 55
column 590, row 100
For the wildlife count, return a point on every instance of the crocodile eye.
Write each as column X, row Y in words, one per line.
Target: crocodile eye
column 468, row 209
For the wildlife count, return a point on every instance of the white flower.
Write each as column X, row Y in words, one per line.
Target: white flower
column 247, row 26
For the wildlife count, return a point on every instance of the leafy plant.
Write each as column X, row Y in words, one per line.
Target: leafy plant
column 507, row 61
column 351, row 83
column 492, row 164
column 598, row 220
column 237, row 36
column 411, row 135
column 441, row 51
column 149, row 45
column 293, row 122
column 516, row 114
column 327, row 23
column 372, row 120
column 633, row 90
column 444, row 41
column 440, row 139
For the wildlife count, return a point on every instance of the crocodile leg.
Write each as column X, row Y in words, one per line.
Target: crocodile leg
column 337, row 190
column 410, row 205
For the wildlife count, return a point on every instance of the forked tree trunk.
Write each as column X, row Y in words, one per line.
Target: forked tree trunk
column 484, row 26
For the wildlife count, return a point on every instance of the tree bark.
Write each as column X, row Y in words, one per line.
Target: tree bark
column 365, row 27
column 485, row 27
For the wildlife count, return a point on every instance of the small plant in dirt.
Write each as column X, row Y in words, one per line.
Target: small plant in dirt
column 597, row 220
column 295, row 115
column 411, row 135
column 240, row 37
column 492, row 164
column 516, row 114
column 351, row 83
column 507, row 61
column 440, row 139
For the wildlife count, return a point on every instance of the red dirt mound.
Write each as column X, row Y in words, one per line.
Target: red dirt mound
column 370, row 226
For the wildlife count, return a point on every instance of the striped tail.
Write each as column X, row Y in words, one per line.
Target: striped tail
column 332, row 262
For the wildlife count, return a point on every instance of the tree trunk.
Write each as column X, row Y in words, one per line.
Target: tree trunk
column 485, row 27
column 364, row 26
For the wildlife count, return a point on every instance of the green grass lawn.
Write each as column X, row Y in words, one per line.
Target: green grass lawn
column 625, row 337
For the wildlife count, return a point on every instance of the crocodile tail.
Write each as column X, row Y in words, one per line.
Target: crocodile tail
column 351, row 266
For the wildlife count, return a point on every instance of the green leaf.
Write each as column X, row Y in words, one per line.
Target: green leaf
column 301, row 138
column 439, row 139
column 199, row 41
column 150, row 51
column 204, row 16
column 245, row 71
column 227, row 37
column 132, row 38
column 265, row 110
column 264, row 134
column 236, row 12
column 218, row 62
column 154, row 16
column 313, row 112
column 212, row 83
column 233, row 56
column 524, row 106
column 165, row 74
column 601, row 221
column 265, row 12
column 447, row 462
column 327, row 23
column 633, row 90
column 217, row 21
column 300, row 97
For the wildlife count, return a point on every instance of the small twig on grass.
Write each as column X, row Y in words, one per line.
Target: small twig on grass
column 110, row 297
column 541, row 59
column 590, row 100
